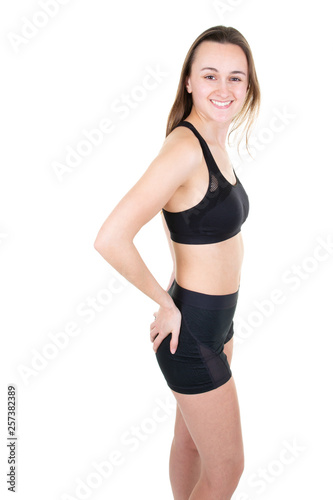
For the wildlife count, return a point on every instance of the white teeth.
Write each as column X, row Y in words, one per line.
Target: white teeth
column 221, row 104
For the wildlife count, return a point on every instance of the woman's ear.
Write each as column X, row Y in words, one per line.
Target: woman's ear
column 188, row 85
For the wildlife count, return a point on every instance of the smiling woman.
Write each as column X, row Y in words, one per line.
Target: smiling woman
column 203, row 205
column 219, row 86
column 238, row 46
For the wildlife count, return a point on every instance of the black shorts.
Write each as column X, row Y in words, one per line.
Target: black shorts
column 199, row 363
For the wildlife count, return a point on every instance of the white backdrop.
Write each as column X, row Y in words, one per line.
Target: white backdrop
column 94, row 415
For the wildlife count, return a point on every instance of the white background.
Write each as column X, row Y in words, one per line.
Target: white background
column 78, row 407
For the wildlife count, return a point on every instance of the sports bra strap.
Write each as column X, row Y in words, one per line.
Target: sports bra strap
column 204, row 146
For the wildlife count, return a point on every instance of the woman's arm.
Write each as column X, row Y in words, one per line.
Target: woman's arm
column 176, row 161
column 174, row 164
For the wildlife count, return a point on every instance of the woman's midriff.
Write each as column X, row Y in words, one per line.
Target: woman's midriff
column 213, row 268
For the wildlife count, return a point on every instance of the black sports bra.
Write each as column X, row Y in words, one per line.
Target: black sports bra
column 219, row 215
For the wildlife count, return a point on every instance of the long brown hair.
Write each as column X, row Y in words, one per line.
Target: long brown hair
column 183, row 102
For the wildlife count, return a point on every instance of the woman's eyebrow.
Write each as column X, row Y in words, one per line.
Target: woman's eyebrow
column 211, row 69
column 236, row 72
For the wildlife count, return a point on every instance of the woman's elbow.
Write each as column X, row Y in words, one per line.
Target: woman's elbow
column 97, row 244
column 104, row 242
column 107, row 244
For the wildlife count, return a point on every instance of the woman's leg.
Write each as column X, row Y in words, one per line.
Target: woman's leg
column 185, row 462
column 213, row 420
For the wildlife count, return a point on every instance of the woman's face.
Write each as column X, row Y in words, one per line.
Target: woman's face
column 218, row 81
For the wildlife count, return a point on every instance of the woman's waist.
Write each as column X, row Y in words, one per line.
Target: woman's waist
column 210, row 281
column 220, row 262
column 212, row 268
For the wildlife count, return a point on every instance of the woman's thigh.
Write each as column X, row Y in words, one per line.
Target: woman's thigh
column 213, row 421
column 181, row 432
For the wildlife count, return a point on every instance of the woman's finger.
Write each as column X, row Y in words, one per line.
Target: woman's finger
column 158, row 341
column 154, row 337
column 174, row 342
column 153, row 334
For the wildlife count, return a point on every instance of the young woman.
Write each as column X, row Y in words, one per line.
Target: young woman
column 203, row 205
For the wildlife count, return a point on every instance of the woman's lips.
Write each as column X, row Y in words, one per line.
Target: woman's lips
column 221, row 104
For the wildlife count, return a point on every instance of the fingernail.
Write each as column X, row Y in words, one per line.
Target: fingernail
column 173, row 350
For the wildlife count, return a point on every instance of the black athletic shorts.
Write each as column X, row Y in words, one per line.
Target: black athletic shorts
column 199, row 363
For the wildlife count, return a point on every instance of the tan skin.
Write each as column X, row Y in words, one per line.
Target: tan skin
column 195, row 461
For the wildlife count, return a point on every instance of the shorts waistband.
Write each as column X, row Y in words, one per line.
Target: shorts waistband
column 203, row 300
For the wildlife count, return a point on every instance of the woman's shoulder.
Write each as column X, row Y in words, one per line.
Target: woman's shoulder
column 182, row 144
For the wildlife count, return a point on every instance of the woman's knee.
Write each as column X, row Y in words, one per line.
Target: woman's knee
column 239, row 467
column 226, row 475
column 183, row 441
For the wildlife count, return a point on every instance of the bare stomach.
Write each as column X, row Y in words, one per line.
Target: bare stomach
column 214, row 268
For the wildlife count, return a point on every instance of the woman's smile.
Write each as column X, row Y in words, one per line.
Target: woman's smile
column 221, row 104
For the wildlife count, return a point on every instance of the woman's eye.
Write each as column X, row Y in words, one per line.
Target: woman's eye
column 209, row 77
column 235, row 78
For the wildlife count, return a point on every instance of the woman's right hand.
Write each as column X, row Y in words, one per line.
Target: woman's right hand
column 167, row 320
